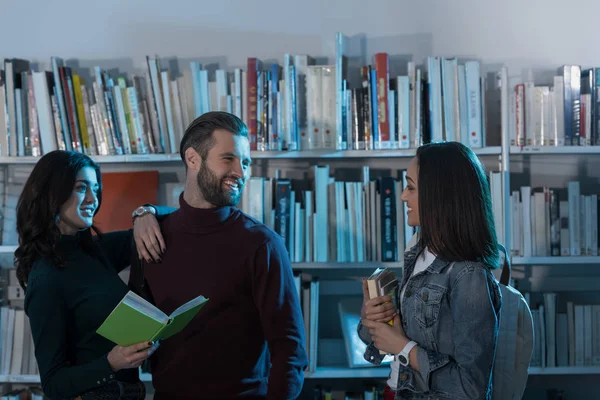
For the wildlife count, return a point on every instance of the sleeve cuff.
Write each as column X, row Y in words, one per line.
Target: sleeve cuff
column 103, row 372
column 424, row 367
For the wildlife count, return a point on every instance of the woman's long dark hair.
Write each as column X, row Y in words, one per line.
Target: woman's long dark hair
column 48, row 187
column 455, row 206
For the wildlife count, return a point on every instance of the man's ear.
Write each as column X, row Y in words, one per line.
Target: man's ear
column 192, row 158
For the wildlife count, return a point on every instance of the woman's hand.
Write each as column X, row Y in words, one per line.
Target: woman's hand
column 390, row 339
column 377, row 309
column 148, row 238
column 131, row 356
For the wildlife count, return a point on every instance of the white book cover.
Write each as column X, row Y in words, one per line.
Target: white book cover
column 404, row 112
column 374, row 225
column 205, row 92
column 45, row 118
column 221, row 89
column 166, row 91
column 475, row 127
column 463, row 105
column 516, row 219
column 559, row 101
column 579, row 336
column 527, row 228
column 177, row 113
column 309, row 215
column 571, row 332
column 550, row 319
column 587, row 334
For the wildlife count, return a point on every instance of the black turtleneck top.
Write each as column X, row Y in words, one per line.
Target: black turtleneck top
column 248, row 340
column 65, row 307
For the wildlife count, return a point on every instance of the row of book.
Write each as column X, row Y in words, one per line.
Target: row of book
column 17, row 351
column 562, row 114
column 340, row 221
column 554, row 221
column 308, row 287
column 293, row 106
column 565, row 339
column 24, row 393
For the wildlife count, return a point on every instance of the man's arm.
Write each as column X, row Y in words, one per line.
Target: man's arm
column 276, row 298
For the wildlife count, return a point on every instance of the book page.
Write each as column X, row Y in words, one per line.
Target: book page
column 190, row 304
column 139, row 303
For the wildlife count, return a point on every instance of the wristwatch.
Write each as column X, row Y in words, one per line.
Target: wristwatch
column 403, row 356
column 143, row 210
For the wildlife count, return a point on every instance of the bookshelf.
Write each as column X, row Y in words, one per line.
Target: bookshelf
column 507, row 156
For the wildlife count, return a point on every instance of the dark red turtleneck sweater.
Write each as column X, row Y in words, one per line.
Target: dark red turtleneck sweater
column 248, row 341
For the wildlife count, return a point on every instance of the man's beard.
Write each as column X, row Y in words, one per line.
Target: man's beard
column 211, row 188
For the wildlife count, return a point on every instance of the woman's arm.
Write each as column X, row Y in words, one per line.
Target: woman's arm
column 47, row 314
column 149, row 241
column 119, row 246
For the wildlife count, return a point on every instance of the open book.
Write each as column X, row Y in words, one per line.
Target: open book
column 135, row 320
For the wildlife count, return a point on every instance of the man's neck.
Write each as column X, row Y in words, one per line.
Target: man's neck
column 194, row 198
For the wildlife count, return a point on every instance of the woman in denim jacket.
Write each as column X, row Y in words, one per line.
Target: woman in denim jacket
column 445, row 328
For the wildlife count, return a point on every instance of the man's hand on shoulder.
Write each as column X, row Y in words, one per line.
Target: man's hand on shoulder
column 148, row 237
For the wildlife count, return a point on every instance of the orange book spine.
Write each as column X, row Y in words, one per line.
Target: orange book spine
column 383, row 79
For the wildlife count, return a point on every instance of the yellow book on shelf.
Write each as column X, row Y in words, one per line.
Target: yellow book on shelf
column 85, row 138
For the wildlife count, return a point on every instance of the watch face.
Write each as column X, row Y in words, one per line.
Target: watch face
column 402, row 360
column 139, row 210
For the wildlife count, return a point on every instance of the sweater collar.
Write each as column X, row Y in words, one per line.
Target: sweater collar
column 203, row 219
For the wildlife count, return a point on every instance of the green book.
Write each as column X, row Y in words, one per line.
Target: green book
column 135, row 320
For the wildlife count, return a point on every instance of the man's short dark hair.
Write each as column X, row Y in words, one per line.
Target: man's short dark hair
column 199, row 134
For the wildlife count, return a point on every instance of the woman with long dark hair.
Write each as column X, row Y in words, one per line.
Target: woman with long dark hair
column 446, row 310
column 71, row 280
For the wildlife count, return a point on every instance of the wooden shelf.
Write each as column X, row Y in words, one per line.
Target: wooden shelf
column 345, row 373
column 144, row 377
column 555, row 260
column 8, row 249
column 19, row 379
column 303, row 154
column 346, row 265
column 397, row 153
column 564, row 371
column 555, row 150
column 383, row 372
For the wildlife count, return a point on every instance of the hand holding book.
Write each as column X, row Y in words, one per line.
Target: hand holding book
column 379, row 308
column 381, row 289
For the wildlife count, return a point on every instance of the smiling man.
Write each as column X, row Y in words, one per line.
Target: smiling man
column 248, row 341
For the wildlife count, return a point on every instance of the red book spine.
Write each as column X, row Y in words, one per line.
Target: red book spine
column 251, row 97
column 383, row 79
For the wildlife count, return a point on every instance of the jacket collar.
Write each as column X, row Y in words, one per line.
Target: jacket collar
column 410, row 258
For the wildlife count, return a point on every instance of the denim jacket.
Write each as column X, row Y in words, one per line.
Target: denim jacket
column 452, row 311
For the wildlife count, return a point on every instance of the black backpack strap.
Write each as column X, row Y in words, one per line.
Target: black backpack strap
column 505, row 276
column 137, row 278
